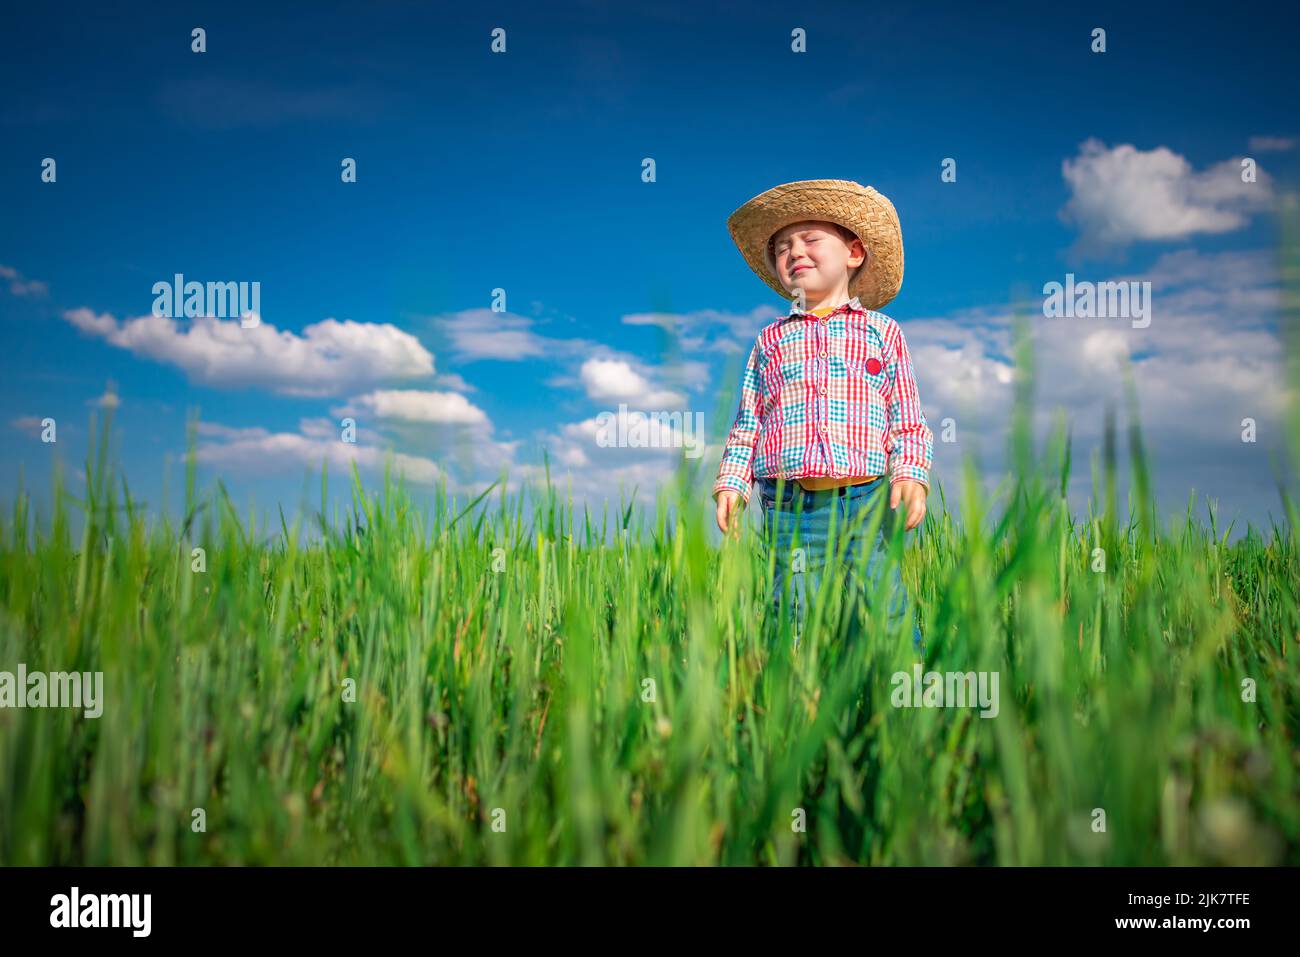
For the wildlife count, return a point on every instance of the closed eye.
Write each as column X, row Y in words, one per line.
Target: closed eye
column 782, row 246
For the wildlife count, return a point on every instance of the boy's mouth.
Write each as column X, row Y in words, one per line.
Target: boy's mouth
column 795, row 270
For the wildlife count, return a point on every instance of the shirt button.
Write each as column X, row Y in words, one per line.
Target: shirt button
column 822, row 390
column 824, row 322
column 823, row 353
column 822, row 428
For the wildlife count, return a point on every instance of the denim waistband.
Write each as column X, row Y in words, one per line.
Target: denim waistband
column 842, row 490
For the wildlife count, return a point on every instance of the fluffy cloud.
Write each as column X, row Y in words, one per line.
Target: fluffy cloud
column 453, row 380
column 614, row 380
column 330, row 357
column 444, row 426
column 595, row 484
column 258, row 451
column 413, row 405
column 644, row 437
column 1123, row 194
column 963, row 362
column 20, row 286
column 1210, row 358
column 708, row 330
column 484, row 334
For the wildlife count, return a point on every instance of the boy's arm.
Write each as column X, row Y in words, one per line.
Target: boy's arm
column 737, row 469
column 909, row 443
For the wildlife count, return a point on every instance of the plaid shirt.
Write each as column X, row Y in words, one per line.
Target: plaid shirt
column 831, row 396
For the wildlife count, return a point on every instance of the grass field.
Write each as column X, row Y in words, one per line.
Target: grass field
column 491, row 686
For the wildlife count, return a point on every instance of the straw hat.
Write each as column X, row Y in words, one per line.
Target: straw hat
column 867, row 213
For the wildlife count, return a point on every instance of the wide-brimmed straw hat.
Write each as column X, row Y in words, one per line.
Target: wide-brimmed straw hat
column 861, row 209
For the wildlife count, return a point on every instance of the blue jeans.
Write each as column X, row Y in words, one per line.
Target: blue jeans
column 801, row 520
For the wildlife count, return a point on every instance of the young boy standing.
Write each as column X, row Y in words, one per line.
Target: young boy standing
column 829, row 406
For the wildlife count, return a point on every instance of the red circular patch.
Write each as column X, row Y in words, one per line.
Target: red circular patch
column 873, row 366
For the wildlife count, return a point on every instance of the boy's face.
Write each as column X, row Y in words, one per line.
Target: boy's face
column 815, row 257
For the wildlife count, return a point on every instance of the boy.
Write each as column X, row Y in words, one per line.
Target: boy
column 828, row 404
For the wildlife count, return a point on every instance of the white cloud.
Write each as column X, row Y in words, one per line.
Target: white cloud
column 666, row 321
column 329, row 357
column 20, row 286
column 258, row 451
column 87, row 321
column 1211, row 357
column 1272, row 144
column 614, row 380
column 29, row 425
column 454, row 381
column 413, row 405
column 709, row 330
column 230, row 433
column 443, row 425
column 600, row 372
column 667, row 440
column 1123, row 194
column 597, row 484
column 484, row 334
column 596, row 473
column 963, row 360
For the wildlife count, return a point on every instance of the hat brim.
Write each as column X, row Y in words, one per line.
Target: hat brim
column 861, row 209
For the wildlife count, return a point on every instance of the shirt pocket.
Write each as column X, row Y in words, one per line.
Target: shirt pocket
column 865, row 360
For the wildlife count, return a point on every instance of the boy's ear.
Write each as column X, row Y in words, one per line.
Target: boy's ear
column 866, row 259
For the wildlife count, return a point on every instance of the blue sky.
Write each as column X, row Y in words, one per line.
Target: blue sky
column 522, row 170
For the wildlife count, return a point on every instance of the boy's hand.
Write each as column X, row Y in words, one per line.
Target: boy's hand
column 729, row 510
column 912, row 494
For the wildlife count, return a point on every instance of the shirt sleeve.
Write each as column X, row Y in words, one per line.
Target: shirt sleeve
column 909, row 443
column 737, row 469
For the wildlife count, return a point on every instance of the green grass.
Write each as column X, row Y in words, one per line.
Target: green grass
column 514, row 679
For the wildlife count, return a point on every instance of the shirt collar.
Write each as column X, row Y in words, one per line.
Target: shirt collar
column 795, row 311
